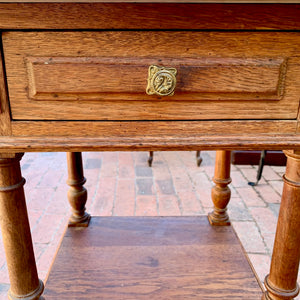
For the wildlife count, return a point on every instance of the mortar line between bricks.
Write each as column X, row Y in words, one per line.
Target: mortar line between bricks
column 273, row 180
column 260, row 233
column 155, row 191
column 44, row 212
column 268, row 184
column 116, row 186
column 156, row 196
column 260, row 196
column 115, row 192
column 250, row 187
column 232, row 188
column 178, row 198
column 209, row 177
column 48, row 203
column 193, row 185
column 39, row 182
column 278, row 180
column 165, row 163
column 57, row 227
column 97, row 186
column 258, row 253
column 253, row 219
column 135, row 183
column 42, row 177
column 266, row 249
column 210, row 180
column 179, row 202
column 37, row 258
column 51, row 239
column 269, row 251
column 168, row 168
column 32, row 228
column 241, row 172
column 3, row 266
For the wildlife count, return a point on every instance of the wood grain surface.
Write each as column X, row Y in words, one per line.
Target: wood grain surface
column 158, row 1
column 77, row 193
column 115, row 78
column 144, row 143
column 155, row 128
column 47, row 15
column 221, row 193
column 5, row 126
column 142, row 258
column 287, row 236
column 248, row 50
column 15, row 229
column 246, row 64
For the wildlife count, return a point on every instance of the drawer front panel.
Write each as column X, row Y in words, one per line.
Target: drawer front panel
column 113, row 78
column 103, row 75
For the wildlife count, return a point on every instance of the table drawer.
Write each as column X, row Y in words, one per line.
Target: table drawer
column 104, row 75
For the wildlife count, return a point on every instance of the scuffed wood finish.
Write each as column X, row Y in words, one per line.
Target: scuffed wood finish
column 24, row 281
column 149, row 16
column 162, row 48
column 281, row 283
column 77, row 194
column 165, row 129
column 144, row 258
column 221, row 193
column 144, row 143
column 5, row 128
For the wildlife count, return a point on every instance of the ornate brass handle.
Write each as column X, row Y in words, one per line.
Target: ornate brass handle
column 161, row 81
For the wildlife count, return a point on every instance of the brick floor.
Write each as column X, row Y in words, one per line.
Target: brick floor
column 123, row 184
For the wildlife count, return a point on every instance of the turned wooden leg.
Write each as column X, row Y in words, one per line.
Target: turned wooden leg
column 77, row 194
column 23, row 276
column 221, row 192
column 281, row 283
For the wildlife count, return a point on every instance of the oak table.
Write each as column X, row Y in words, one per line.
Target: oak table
column 183, row 75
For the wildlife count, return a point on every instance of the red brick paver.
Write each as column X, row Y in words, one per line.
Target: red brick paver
column 123, row 184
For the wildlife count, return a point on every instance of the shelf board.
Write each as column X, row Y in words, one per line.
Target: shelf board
column 151, row 257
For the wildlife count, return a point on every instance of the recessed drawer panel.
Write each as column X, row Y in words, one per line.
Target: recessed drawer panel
column 104, row 75
column 113, row 78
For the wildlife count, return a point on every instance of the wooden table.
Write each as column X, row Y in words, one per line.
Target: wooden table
column 102, row 76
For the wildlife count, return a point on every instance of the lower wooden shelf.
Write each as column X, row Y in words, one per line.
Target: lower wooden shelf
column 151, row 258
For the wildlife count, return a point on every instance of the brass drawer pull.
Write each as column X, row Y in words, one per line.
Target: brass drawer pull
column 161, row 81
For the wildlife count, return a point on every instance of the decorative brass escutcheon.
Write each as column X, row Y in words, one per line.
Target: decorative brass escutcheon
column 161, row 81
